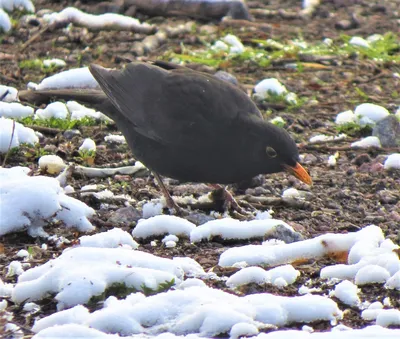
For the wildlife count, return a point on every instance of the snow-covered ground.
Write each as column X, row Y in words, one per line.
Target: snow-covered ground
column 107, row 285
column 100, row 261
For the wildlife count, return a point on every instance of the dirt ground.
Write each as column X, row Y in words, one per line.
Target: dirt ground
column 355, row 193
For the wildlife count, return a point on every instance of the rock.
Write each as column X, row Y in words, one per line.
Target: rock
column 125, row 215
column 225, row 76
column 344, row 24
column 70, row 133
column 388, row 131
column 387, row 197
column 361, row 159
column 285, row 234
column 309, row 159
column 199, row 218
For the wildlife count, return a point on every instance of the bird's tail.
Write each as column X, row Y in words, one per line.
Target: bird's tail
column 94, row 98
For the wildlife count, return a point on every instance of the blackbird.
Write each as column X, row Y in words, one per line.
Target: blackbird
column 187, row 125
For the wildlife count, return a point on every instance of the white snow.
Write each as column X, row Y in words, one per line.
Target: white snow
column 12, row 93
column 34, row 201
column 291, row 98
column 279, row 121
column 81, row 331
column 23, row 254
column 79, row 111
column 22, row 135
column 291, row 193
column 243, row 330
column 118, row 139
column 364, row 114
column 14, row 110
column 229, row 43
column 358, row 41
column 346, row 117
column 268, row 86
column 88, row 145
column 73, row 78
column 372, row 311
column 367, row 142
column 310, row 3
column 193, row 309
column 14, row 268
column 332, row 160
column 388, row 317
column 162, row 224
column 192, row 268
column 52, row 164
column 5, row 22
column 321, row 138
column 394, row 281
column 234, row 229
column 287, row 253
column 111, row 239
column 371, row 111
column 370, row 260
column 59, row 63
column 5, row 289
column 392, row 161
column 9, row 6
column 347, row 293
column 324, row 137
column 247, row 275
column 60, row 110
column 54, row 110
column 328, row 41
column 370, row 274
column 152, row 208
column 196, row 309
column 83, row 272
column 264, row 215
column 170, row 237
column 96, row 22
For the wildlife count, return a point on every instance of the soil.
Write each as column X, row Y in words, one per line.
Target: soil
column 344, row 198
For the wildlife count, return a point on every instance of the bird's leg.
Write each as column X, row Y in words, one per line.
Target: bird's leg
column 229, row 198
column 170, row 202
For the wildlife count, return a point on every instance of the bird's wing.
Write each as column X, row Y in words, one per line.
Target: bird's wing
column 180, row 107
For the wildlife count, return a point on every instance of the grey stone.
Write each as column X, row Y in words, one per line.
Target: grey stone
column 388, row 131
column 125, row 215
column 285, row 234
column 199, row 218
column 70, row 133
column 225, row 76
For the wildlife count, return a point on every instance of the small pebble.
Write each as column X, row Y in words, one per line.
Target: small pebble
column 70, row 133
column 388, row 131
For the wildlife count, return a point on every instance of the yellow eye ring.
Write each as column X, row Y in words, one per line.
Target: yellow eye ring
column 271, row 152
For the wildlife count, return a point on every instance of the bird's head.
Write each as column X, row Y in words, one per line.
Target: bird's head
column 281, row 153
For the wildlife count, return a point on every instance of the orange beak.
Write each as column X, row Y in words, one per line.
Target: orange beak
column 300, row 173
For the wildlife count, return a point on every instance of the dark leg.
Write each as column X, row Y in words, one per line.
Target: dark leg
column 170, row 202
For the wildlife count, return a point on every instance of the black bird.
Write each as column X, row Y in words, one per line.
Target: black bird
column 186, row 124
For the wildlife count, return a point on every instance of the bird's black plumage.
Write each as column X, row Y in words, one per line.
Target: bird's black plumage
column 190, row 125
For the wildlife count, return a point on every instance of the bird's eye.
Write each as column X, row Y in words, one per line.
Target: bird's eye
column 271, row 152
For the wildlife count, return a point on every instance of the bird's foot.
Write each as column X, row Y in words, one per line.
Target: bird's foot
column 172, row 205
column 229, row 201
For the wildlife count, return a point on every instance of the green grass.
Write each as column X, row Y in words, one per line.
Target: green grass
column 62, row 124
column 355, row 130
column 263, row 52
column 37, row 64
column 120, row 290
